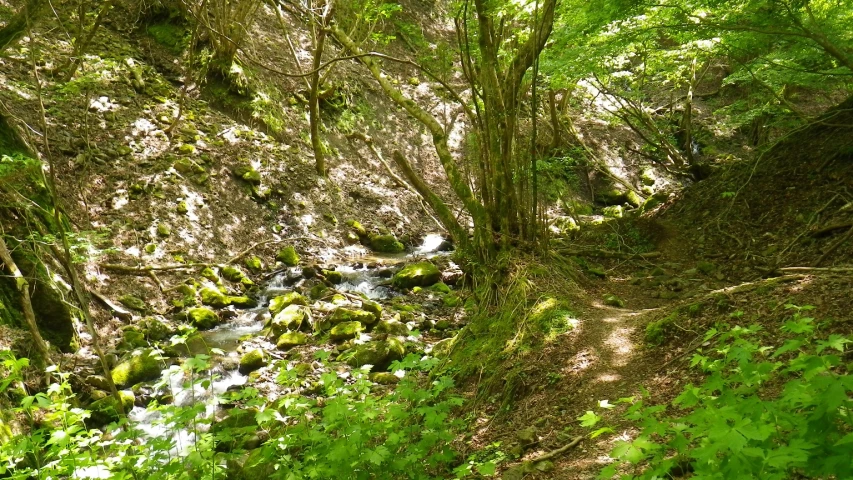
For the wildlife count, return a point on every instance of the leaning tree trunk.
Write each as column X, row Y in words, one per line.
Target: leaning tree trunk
column 17, row 26
column 23, row 287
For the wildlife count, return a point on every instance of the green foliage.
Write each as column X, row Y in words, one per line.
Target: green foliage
column 657, row 331
column 174, row 37
column 768, row 408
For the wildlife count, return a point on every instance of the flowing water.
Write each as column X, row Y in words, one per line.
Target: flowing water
column 367, row 275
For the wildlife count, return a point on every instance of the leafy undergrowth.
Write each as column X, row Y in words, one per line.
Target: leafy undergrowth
column 760, row 411
column 348, row 430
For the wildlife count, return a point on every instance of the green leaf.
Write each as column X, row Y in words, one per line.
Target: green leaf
column 589, row 419
column 487, row 469
column 600, row 431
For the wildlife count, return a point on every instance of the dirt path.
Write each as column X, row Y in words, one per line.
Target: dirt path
column 602, row 359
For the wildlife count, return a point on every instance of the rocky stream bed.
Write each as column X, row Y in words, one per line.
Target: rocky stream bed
column 361, row 314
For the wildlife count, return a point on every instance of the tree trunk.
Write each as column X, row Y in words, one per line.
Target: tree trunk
column 17, row 26
column 314, row 98
column 23, row 287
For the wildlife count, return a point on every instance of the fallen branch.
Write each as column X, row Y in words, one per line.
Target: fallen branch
column 830, row 228
column 834, row 246
column 553, row 453
column 608, row 254
column 116, row 310
column 818, row 269
column 145, row 270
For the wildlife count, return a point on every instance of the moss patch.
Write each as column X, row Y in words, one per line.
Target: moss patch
column 288, row 256
column 421, row 274
column 141, row 366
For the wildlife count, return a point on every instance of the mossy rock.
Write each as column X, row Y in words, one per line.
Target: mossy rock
column 613, row 211
column 351, row 238
column 646, row 178
column 134, row 303
column 281, row 302
column 442, row 324
column 242, row 302
column 318, row 291
column 379, row 353
column 141, row 366
column 343, row 314
column 421, row 274
column 373, row 307
column 289, row 318
column 617, row 197
column 386, row 244
column 247, row 173
column 441, row 288
column 346, row 331
column 383, row 378
column 132, row 338
column 254, row 264
column 182, row 208
column 442, row 348
column 155, row 329
column 232, row 273
column 202, row 318
column 186, row 166
column 614, row 301
column 393, row 328
column 653, row 201
column 334, row 277
column 214, row 298
column 288, row 256
column 252, row 361
column 288, row 340
column 210, row 274
column 357, row 227
column 105, row 410
column 164, row 230
column 451, row 301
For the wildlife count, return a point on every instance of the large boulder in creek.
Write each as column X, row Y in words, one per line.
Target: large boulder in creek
column 142, row 365
column 386, row 244
column 290, row 318
column 421, row 274
column 213, row 297
column 281, row 302
column 393, row 328
column 379, row 353
column 202, row 318
column 252, row 361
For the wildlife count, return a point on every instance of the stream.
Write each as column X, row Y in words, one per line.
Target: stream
column 365, row 275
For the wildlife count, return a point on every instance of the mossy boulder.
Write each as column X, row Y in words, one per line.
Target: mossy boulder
column 345, row 331
column 357, row 227
column 247, row 173
column 442, row 348
column 288, row 256
column 254, row 264
column 344, row 314
column 164, row 230
column 653, row 201
column 614, row 301
column 392, row 328
column 141, row 366
column 242, row 301
column 421, row 274
column 105, row 410
column 213, row 297
column 202, row 318
column 379, row 353
column 210, row 274
column 617, row 197
column 252, row 361
column 134, row 303
column 155, row 329
column 232, row 273
column 334, row 277
column 441, row 288
column 373, row 307
column 281, row 302
column 386, row 244
column 290, row 318
column 288, row 340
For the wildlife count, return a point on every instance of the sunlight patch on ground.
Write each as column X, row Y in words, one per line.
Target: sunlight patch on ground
column 609, row 377
column 619, row 342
